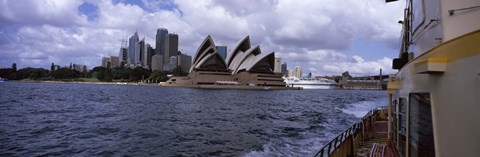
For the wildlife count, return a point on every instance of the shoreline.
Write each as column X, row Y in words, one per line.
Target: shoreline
column 199, row 87
column 98, row 83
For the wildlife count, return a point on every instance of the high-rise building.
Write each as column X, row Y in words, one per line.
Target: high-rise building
column 157, row 62
column 114, row 61
column 110, row 62
column 132, row 42
column 278, row 65
column 160, row 41
column 184, row 62
column 106, row 62
column 122, row 56
column 222, row 50
column 150, row 53
column 284, row 69
column 79, row 67
column 171, row 47
column 172, row 64
column 139, row 53
column 296, row 72
column 146, row 57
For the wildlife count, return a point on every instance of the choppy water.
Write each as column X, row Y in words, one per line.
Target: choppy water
column 115, row 120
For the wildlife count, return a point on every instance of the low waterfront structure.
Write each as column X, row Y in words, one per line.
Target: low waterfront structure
column 246, row 67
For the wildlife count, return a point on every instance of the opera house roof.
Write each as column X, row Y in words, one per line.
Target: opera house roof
column 242, row 57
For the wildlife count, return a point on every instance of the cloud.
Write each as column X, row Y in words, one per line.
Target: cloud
column 33, row 12
column 313, row 34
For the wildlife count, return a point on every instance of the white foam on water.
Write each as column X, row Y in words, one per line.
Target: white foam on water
column 360, row 109
column 311, row 142
column 286, row 146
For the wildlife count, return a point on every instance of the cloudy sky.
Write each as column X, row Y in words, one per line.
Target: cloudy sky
column 325, row 37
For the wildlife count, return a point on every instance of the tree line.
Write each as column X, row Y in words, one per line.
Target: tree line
column 122, row 74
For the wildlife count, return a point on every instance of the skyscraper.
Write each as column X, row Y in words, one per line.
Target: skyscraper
column 132, row 42
column 114, row 61
column 123, row 56
column 222, row 50
column 106, row 62
column 184, row 62
column 160, row 41
column 284, row 69
column 139, row 53
column 297, row 72
column 171, row 47
column 150, row 53
column 157, row 62
column 277, row 68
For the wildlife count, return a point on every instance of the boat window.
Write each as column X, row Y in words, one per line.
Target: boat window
column 421, row 142
column 418, row 17
column 402, row 125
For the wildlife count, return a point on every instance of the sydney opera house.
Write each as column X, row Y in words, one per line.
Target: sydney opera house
column 245, row 66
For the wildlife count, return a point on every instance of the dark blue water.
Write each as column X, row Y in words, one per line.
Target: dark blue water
column 115, row 120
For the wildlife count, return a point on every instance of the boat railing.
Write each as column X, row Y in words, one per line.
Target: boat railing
column 344, row 144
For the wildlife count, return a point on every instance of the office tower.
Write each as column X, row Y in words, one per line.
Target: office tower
column 106, row 62
column 122, row 56
column 171, row 47
column 139, row 52
column 222, row 50
column 114, row 61
column 284, row 69
column 160, row 41
column 297, row 72
column 132, row 42
column 157, row 62
column 184, row 62
column 145, row 56
column 150, row 53
column 277, row 68
column 173, row 62
column 79, row 67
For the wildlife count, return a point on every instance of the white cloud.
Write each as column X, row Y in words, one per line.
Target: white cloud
column 311, row 33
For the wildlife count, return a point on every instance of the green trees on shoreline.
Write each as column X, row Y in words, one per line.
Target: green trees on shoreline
column 120, row 74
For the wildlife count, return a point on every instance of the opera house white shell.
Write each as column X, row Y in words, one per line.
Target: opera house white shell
column 245, row 65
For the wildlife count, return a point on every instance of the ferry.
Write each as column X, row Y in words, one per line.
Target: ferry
column 434, row 98
column 310, row 83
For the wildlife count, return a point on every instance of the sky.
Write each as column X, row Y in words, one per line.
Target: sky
column 325, row 37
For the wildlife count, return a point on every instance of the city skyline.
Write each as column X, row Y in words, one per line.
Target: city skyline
column 324, row 37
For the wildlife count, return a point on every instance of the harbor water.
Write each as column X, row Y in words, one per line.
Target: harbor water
column 49, row 119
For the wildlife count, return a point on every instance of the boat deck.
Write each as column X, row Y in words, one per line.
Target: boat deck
column 367, row 138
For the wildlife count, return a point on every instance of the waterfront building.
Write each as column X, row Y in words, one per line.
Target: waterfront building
column 79, row 67
column 296, row 72
column 278, row 65
column 222, row 50
column 157, row 62
column 132, row 42
column 171, row 47
column 184, row 62
column 245, row 65
column 160, row 41
column 284, row 69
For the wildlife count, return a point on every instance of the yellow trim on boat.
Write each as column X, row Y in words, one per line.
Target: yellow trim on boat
column 467, row 45
column 431, row 60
